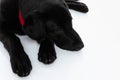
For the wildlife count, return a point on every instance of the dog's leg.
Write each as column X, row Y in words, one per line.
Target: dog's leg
column 78, row 6
column 47, row 53
column 20, row 62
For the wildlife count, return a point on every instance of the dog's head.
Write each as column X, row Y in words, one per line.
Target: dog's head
column 36, row 21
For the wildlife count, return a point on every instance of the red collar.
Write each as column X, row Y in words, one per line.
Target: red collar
column 21, row 18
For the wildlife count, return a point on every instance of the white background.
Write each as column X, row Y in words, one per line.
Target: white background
column 100, row 58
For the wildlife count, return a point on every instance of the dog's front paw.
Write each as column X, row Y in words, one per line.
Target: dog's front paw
column 46, row 57
column 21, row 65
column 47, row 53
column 83, row 7
column 78, row 6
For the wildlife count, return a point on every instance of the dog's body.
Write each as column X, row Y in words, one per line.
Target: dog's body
column 46, row 21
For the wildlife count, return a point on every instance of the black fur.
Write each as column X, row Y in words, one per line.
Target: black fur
column 48, row 22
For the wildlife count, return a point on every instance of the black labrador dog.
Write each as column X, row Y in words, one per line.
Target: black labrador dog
column 48, row 22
